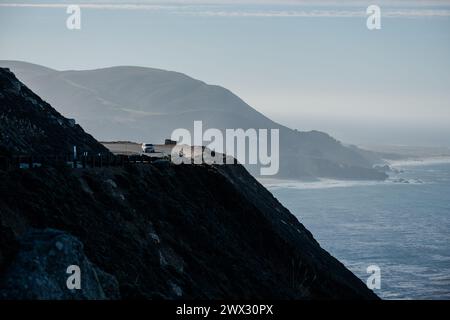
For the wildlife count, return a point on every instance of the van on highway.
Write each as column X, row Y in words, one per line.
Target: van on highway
column 148, row 148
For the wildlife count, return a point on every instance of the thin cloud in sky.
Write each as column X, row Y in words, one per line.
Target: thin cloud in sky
column 295, row 9
column 244, row 2
column 116, row 6
column 325, row 13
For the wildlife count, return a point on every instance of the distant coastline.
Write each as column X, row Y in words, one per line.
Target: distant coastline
column 273, row 183
column 420, row 161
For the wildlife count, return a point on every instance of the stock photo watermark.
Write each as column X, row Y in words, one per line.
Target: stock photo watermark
column 374, row 280
column 249, row 146
column 374, row 19
column 74, row 280
column 73, row 21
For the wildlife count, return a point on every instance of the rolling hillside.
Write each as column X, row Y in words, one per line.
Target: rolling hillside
column 145, row 104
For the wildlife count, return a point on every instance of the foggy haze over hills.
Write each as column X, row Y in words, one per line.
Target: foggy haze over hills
column 306, row 71
column 147, row 105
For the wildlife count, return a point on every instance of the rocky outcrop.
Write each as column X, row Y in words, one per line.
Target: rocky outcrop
column 41, row 269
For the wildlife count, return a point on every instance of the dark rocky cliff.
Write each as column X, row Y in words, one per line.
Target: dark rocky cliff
column 153, row 231
column 176, row 231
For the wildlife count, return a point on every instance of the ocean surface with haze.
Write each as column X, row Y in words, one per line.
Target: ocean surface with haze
column 402, row 225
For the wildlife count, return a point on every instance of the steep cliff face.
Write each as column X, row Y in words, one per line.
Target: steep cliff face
column 154, row 230
column 177, row 231
column 29, row 125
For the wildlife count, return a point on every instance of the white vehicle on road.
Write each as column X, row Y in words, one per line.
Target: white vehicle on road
column 148, row 148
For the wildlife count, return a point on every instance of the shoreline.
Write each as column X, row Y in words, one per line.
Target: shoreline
column 325, row 183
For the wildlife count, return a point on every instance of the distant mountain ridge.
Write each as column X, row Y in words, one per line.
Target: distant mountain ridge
column 146, row 105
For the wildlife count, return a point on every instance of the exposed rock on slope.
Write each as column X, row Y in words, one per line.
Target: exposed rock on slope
column 38, row 271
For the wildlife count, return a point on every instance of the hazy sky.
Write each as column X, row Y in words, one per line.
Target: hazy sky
column 310, row 65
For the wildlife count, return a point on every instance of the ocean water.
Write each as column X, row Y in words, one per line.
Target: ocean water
column 401, row 225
